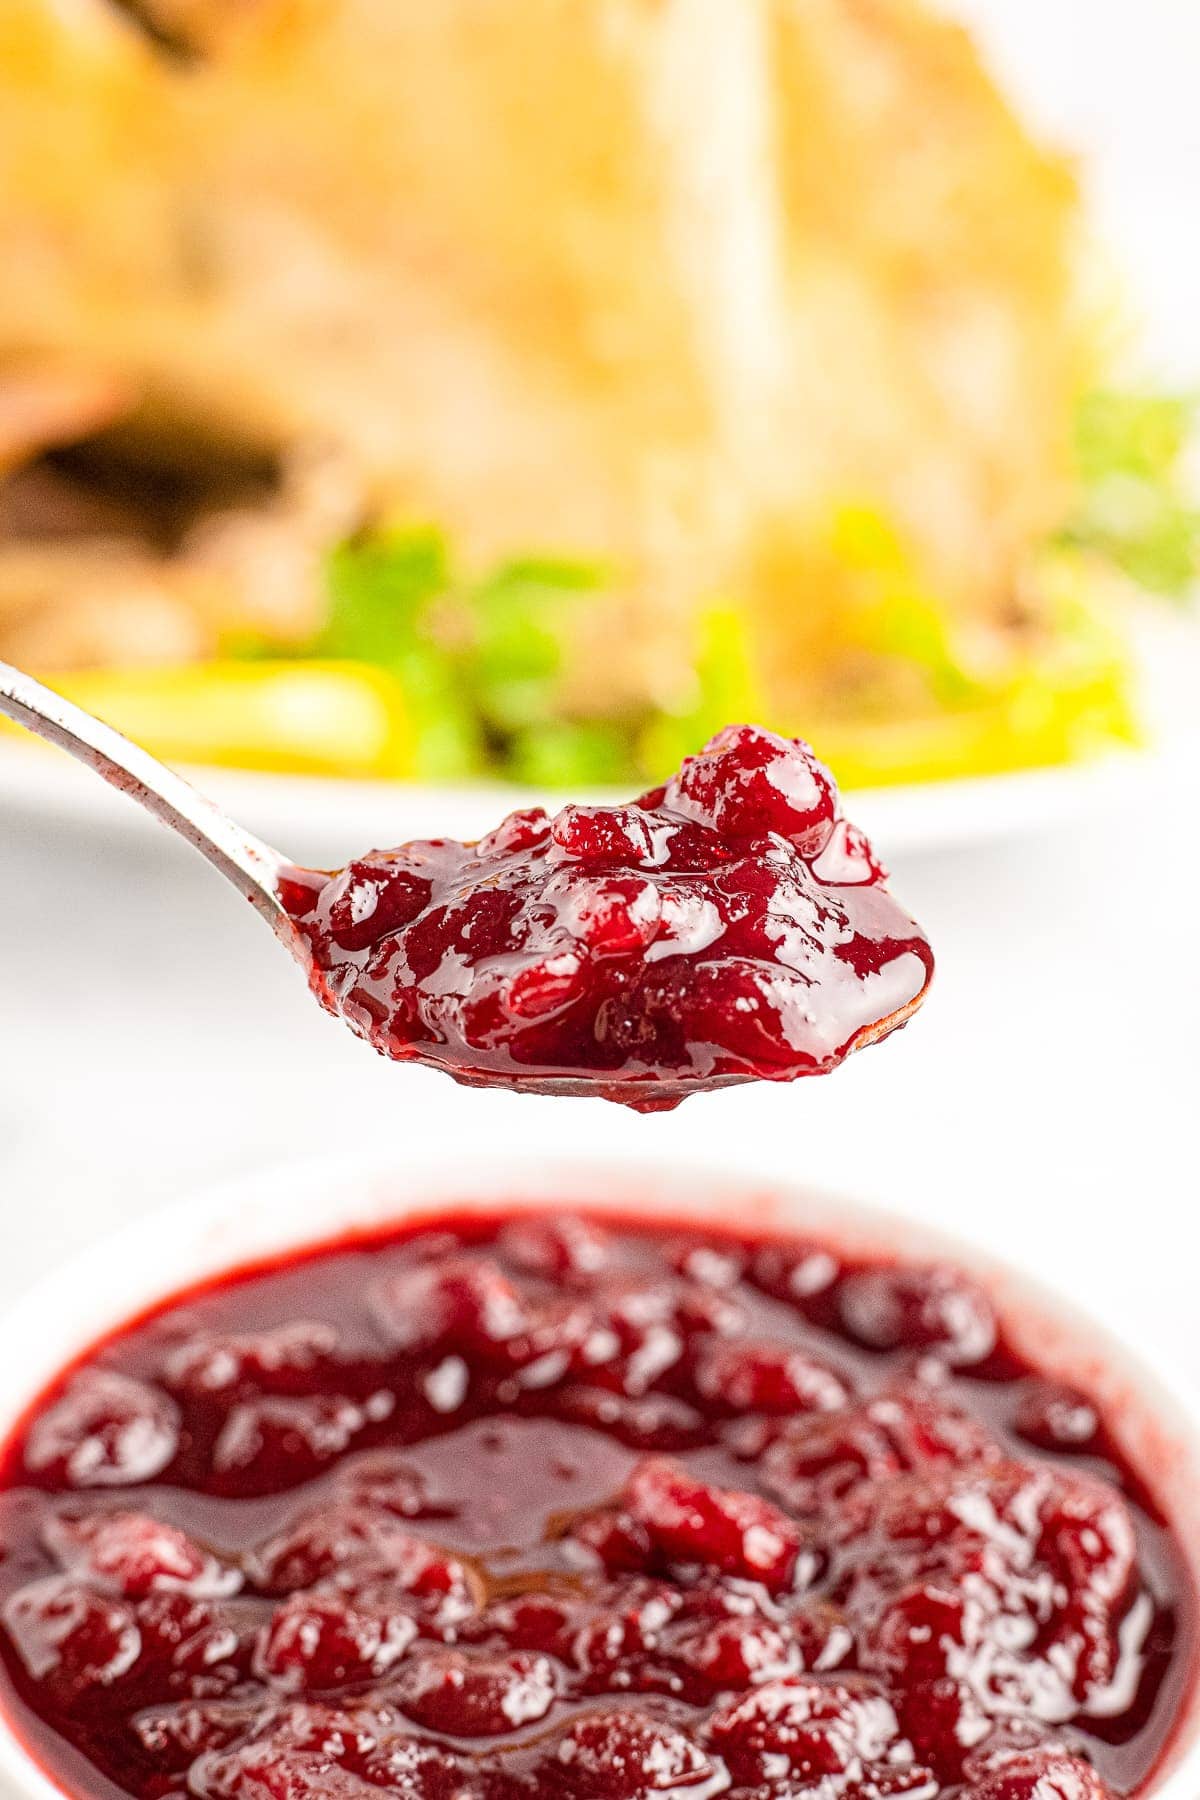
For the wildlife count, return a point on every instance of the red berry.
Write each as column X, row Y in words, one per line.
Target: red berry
column 265, row 1771
column 1054, row 1416
column 541, row 986
column 1040, row 1775
column 384, row 1479
column 747, row 782
column 205, row 1645
column 466, row 1302
column 925, row 1426
column 526, row 829
column 358, row 1545
column 623, row 1754
column 817, row 1459
column 283, row 1361
column 262, row 1438
column 795, row 1272
column 725, row 1528
column 918, row 1633
column 945, row 1721
column 323, row 1542
column 465, row 1695
column 71, row 1637
column 814, row 1728
column 618, row 915
column 105, row 1430
column 736, row 1652
column 566, row 1248
column 373, row 898
column 650, row 1422
column 324, row 1640
column 768, row 1378
column 618, row 835
column 614, row 1537
column 175, row 1735
column 620, row 1633
column 848, row 859
column 917, row 1308
column 131, row 1553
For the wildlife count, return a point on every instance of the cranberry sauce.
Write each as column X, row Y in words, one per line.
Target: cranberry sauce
column 537, row 1507
column 729, row 925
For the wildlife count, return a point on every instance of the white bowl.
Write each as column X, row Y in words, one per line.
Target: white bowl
column 1154, row 1420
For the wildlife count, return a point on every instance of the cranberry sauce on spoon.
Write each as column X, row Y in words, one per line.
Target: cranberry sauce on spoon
column 517, row 1508
column 730, row 925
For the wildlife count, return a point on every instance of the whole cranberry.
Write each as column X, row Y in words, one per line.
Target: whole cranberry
column 818, row 1458
column 614, row 1537
column 526, row 829
column 644, row 1422
column 848, row 859
column 278, row 1438
column 173, row 1736
column 106, row 1430
column 918, row 1633
column 359, row 1547
column 466, row 1695
column 197, row 1646
column 623, row 1754
column 816, row 1728
column 131, row 1553
column 1055, row 1416
column 756, row 1376
column 695, row 1521
column 562, row 1248
column 620, row 836
column 614, row 915
column 285, row 1360
column 622, row 1634
column 796, row 1272
column 747, row 782
column 944, row 1720
column 467, row 1302
column 1040, row 1775
column 67, row 1635
column 735, row 1652
column 324, row 1640
column 268, row 1771
column 918, row 1307
column 924, row 1425
column 335, row 1539
column 372, row 898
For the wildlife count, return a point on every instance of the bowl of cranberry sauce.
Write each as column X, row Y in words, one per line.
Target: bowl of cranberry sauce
column 414, row 1487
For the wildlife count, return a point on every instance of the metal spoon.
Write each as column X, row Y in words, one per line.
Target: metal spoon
column 263, row 877
column 253, row 867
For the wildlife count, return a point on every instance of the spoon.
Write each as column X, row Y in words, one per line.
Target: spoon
column 729, row 926
column 253, row 867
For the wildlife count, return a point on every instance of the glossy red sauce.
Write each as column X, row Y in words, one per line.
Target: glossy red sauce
column 548, row 1508
column 728, row 926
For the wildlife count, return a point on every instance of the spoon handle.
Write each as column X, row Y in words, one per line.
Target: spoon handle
column 252, row 866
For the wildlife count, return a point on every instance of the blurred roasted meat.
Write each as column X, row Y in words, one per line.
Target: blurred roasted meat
column 678, row 283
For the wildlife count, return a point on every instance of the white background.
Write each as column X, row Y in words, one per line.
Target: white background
column 1118, row 82
column 152, row 1036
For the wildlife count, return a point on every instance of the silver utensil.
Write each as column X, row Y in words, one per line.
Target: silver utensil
column 252, row 866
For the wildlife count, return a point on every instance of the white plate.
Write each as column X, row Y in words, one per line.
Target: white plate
column 324, row 821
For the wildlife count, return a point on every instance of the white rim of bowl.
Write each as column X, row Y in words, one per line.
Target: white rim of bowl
column 271, row 1212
